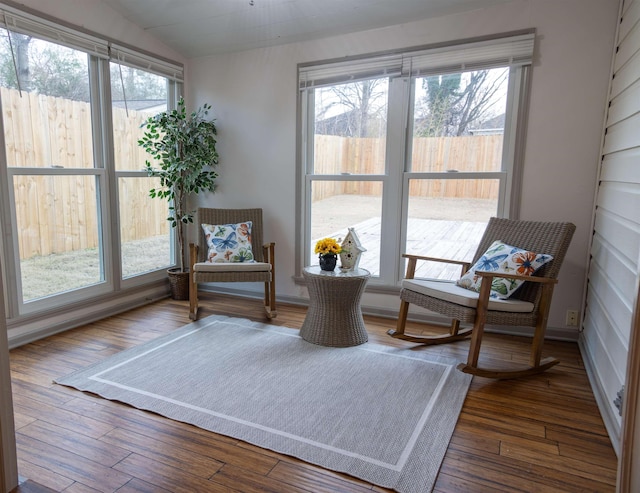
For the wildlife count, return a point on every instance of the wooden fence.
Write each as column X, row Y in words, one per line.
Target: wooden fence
column 57, row 214
column 336, row 155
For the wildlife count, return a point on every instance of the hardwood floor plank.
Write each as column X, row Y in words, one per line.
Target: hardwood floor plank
column 512, row 474
column 523, row 452
column 102, row 478
column 139, row 486
column 45, row 476
column 83, row 488
column 316, row 479
column 32, row 487
column 163, row 452
column 60, row 417
column 539, row 434
column 95, row 450
column 170, row 478
column 250, row 482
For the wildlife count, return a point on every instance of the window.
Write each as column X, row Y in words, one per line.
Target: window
column 145, row 235
column 415, row 150
column 79, row 220
column 56, row 183
column 346, row 186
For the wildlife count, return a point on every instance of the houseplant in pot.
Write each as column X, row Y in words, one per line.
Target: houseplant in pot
column 183, row 154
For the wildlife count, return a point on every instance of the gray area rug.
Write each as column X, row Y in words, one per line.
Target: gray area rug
column 351, row 410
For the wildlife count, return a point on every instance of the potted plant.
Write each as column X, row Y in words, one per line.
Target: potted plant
column 183, row 151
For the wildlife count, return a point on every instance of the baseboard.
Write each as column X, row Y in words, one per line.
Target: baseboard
column 553, row 333
column 31, row 329
column 610, row 420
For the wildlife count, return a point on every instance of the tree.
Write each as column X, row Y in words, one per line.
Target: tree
column 361, row 108
column 43, row 67
column 11, row 73
column 136, row 85
column 455, row 103
column 47, row 68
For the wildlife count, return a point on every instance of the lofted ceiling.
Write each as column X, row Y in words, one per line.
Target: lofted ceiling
column 197, row 28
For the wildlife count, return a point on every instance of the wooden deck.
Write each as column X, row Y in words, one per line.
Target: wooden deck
column 455, row 240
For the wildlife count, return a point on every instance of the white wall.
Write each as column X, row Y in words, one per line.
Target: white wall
column 253, row 94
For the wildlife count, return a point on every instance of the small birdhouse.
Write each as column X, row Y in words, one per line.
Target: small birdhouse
column 351, row 251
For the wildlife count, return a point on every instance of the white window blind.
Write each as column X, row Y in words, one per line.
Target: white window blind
column 508, row 50
column 136, row 59
column 336, row 72
column 25, row 23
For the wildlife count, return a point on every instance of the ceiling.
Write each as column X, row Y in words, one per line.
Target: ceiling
column 197, row 28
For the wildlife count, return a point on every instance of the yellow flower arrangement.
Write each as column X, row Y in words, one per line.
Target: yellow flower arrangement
column 327, row 246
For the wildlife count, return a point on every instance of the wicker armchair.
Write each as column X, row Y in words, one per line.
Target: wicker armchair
column 529, row 306
column 262, row 270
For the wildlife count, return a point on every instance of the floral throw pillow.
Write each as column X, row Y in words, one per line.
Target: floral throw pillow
column 507, row 259
column 229, row 242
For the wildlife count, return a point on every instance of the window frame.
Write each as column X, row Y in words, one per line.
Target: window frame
column 396, row 179
column 100, row 52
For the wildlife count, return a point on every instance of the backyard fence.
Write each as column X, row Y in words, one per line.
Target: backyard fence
column 59, row 213
column 334, row 155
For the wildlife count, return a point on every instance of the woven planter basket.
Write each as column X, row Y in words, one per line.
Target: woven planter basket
column 179, row 284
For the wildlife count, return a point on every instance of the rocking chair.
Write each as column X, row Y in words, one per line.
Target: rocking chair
column 528, row 306
column 262, row 269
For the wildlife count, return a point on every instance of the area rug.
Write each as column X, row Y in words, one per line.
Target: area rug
column 381, row 414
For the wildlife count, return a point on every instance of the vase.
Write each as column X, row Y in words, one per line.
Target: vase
column 328, row 262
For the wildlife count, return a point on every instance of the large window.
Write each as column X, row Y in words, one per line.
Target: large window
column 144, row 231
column 414, row 150
column 79, row 220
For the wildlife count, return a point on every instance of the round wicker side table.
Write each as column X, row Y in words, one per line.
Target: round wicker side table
column 334, row 317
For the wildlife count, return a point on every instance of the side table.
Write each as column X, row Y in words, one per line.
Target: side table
column 334, row 317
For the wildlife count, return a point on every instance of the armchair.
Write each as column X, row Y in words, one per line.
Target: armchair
column 527, row 306
column 204, row 268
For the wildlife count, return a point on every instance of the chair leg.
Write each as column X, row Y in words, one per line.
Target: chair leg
column 193, row 300
column 193, row 285
column 270, row 299
column 536, row 365
column 455, row 334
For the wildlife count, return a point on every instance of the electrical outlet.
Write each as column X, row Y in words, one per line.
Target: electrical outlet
column 572, row 318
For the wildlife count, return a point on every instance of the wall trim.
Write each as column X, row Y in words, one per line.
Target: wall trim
column 609, row 418
column 554, row 333
column 32, row 329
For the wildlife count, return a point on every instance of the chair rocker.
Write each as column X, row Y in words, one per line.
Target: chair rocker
column 262, row 270
column 528, row 306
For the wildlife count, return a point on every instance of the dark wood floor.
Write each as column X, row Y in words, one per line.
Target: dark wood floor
column 540, row 434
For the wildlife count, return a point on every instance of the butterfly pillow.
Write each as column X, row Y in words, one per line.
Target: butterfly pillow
column 506, row 259
column 229, row 242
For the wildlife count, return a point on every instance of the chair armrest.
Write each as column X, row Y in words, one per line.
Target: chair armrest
column 193, row 258
column 413, row 260
column 268, row 250
column 485, row 290
column 543, row 280
column 193, row 253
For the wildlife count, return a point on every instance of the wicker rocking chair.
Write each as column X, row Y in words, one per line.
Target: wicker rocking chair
column 262, row 270
column 529, row 305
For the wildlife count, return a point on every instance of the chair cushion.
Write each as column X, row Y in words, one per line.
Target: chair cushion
column 450, row 291
column 232, row 267
column 229, row 243
column 507, row 259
